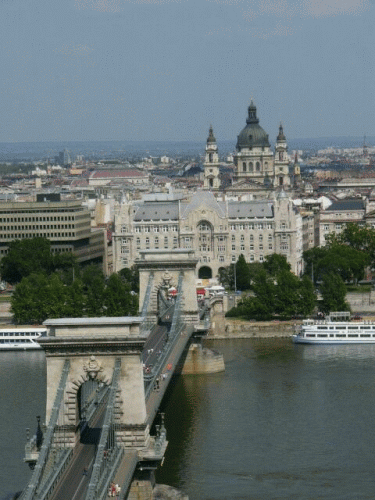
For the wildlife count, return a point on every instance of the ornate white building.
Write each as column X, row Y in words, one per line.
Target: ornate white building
column 218, row 231
column 254, row 159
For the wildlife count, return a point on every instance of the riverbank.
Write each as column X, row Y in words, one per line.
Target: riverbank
column 230, row 328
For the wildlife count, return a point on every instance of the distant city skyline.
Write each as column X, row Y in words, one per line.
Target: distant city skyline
column 165, row 70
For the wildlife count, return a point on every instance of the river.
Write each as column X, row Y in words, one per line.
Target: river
column 283, row 421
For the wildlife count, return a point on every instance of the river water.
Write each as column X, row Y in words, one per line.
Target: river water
column 282, row 422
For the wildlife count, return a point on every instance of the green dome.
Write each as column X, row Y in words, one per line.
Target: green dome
column 252, row 135
column 211, row 137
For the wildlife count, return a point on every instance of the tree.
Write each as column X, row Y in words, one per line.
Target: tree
column 358, row 237
column 118, row 298
column 38, row 297
column 94, row 287
column 333, row 291
column 26, row 257
column 242, row 274
column 130, row 276
column 276, row 263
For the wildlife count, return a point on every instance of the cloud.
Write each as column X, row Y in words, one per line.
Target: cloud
column 113, row 6
column 288, row 14
column 328, row 8
column 78, row 50
column 306, row 8
column 99, row 5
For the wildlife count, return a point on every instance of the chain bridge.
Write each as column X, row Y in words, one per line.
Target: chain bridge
column 106, row 378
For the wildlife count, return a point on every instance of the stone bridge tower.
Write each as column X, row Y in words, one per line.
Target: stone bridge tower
column 92, row 345
column 165, row 267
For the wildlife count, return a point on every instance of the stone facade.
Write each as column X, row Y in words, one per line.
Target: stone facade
column 217, row 231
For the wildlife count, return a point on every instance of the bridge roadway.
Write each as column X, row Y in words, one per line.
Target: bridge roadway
column 73, row 484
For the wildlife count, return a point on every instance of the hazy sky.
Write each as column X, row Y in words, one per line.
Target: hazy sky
column 167, row 69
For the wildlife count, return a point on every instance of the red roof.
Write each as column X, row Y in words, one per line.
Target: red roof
column 105, row 174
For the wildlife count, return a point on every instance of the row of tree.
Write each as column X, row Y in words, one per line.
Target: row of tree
column 53, row 285
column 275, row 291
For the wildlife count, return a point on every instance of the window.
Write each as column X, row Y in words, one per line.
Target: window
column 243, row 166
column 261, row 258
column 251, row 226
column 234, row 258
column 165, row 229
column 242, row 248
column 221, row 258
column 156, row 229
column 242, row 237
column 147, row 229
column 260, row 247
column 233, row 227
column 260, row 237
column 251, row 258
column 233, row 237
column 251, row 237
column 326, row 227
column 221, row 248
column 251, row 247
column 251, row 167
column 233, row 247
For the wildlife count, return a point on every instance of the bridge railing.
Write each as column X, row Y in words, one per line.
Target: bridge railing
column 146, row 325
column 177, row 326
column 100, row 467
column 31, row 493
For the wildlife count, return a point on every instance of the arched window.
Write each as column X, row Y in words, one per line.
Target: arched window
column 251, row 167
column 244, row 167
column 210, row 158
column 258, row 166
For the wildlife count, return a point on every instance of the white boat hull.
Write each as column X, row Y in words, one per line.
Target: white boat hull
column 303, row 340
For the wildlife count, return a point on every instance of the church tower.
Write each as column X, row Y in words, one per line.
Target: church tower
column 253, row 158
column 281, row 163
column 211, row 164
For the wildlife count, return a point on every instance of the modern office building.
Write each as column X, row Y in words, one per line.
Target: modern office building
column 65, row 223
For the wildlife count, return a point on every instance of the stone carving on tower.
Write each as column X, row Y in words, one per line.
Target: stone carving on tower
column 92, row 368
column 281, row 163
column 211, row 164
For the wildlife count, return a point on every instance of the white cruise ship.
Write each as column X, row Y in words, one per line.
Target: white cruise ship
column 21, row 338
column 336, row 329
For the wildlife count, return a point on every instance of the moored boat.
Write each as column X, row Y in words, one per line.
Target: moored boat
column 21, row 338
column 337, row 328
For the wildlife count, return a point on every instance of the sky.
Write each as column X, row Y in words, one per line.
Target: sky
column 77, row 70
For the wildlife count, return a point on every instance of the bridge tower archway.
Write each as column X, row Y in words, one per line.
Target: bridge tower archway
column 205, row 273
column 92, row 346
column 165, row 267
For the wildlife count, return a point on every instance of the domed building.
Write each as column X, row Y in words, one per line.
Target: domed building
column 256, row 164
